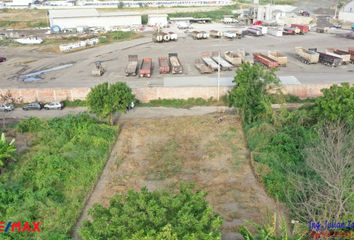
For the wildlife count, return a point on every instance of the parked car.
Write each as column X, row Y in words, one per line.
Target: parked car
column 6, row 107
column 54, row 106
column 33, row 106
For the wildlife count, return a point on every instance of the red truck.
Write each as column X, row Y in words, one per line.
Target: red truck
column 164, row 65
column 303, row 28
column 351, row 51
column 266, row 61
column 145, row 68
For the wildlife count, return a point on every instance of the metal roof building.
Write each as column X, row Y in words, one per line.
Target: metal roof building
column 73, row 18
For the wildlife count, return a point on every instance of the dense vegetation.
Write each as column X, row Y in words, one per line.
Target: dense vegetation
column 301, row 156
column 50, row 181
column 157, row 215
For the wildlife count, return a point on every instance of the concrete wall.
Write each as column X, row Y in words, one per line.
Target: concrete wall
column 147, row 94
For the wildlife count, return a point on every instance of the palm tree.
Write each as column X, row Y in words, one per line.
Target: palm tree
column 7, row 150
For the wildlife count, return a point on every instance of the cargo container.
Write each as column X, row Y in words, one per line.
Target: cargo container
column 345, row 56
column 202, row 68
column 279, row 57
column 234, row 58
column 173, row 36
column 224, row 65
column 307, row 56
column 146, row 68
column 197, row 35
column 329, row 60
column 302, row 27
column 275, row 32
column 175, row 63
column 215, row 34
column 164, row 66
column 266, row 61
column 132, row 67
column 351, row 51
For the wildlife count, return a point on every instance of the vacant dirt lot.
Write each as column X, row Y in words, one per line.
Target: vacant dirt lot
column 208, row 150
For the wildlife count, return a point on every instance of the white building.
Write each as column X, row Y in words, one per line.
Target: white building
column 74, row 18
column 157, row 20
column 346, row 14
column 273, row 12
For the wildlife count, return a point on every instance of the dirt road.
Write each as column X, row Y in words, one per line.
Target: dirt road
column 159, row 152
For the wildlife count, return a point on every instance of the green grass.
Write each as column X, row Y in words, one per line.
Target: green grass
column 75, row 103
column 185, row 103
column 51, row 180
column 214, row 14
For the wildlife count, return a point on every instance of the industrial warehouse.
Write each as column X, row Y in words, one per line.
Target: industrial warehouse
column 65, row 19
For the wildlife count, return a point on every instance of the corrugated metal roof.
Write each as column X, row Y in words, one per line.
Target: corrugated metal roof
column 68, row 13
column 88, row 12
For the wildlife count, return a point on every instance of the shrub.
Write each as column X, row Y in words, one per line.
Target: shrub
column 31, row 124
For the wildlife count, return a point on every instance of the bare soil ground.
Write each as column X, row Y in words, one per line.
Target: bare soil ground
column 159, row 153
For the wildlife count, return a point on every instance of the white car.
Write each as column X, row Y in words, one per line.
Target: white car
column 6, row 107
column 54, row 106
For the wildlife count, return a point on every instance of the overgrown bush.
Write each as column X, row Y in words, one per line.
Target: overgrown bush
column 32, row 124
column 151, row 215
column 50, row 182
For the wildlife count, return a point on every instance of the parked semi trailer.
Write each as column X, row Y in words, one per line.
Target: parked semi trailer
column 351, row 51
column 215, row 34
column 157, row 37
column 234, row 58
column 329, row 60
column 164, row 66
column 302, row 28
column 175, row 63
column 132, row 67
column 307, row 56
column 275, row 32
column 224, row 65
column 266, row 61
column 202, row 68
column 146, row 68
column 197, row 35
column 254, row 32
column 209, row 61
column 279, row 57
column 345, row 56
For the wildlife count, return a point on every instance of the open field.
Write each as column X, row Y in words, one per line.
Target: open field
column 159, row 153
column 22, row 18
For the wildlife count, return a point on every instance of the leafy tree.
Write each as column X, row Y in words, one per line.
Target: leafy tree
column 336, row 104
column 250, row 93
column 106, row 99
column 7, row 149
column 155, row 215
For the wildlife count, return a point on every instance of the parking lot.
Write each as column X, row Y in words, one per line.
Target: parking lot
column 114, row 59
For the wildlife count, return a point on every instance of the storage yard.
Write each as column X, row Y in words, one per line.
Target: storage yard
column 114, row 59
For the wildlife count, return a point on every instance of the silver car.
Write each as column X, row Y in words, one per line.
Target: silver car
column 6, row 107
column 54, row 106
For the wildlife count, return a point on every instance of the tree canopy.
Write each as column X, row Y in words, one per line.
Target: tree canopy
column 154, row 215
column 250, row 93
column 336, row 104
column 106, row 99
